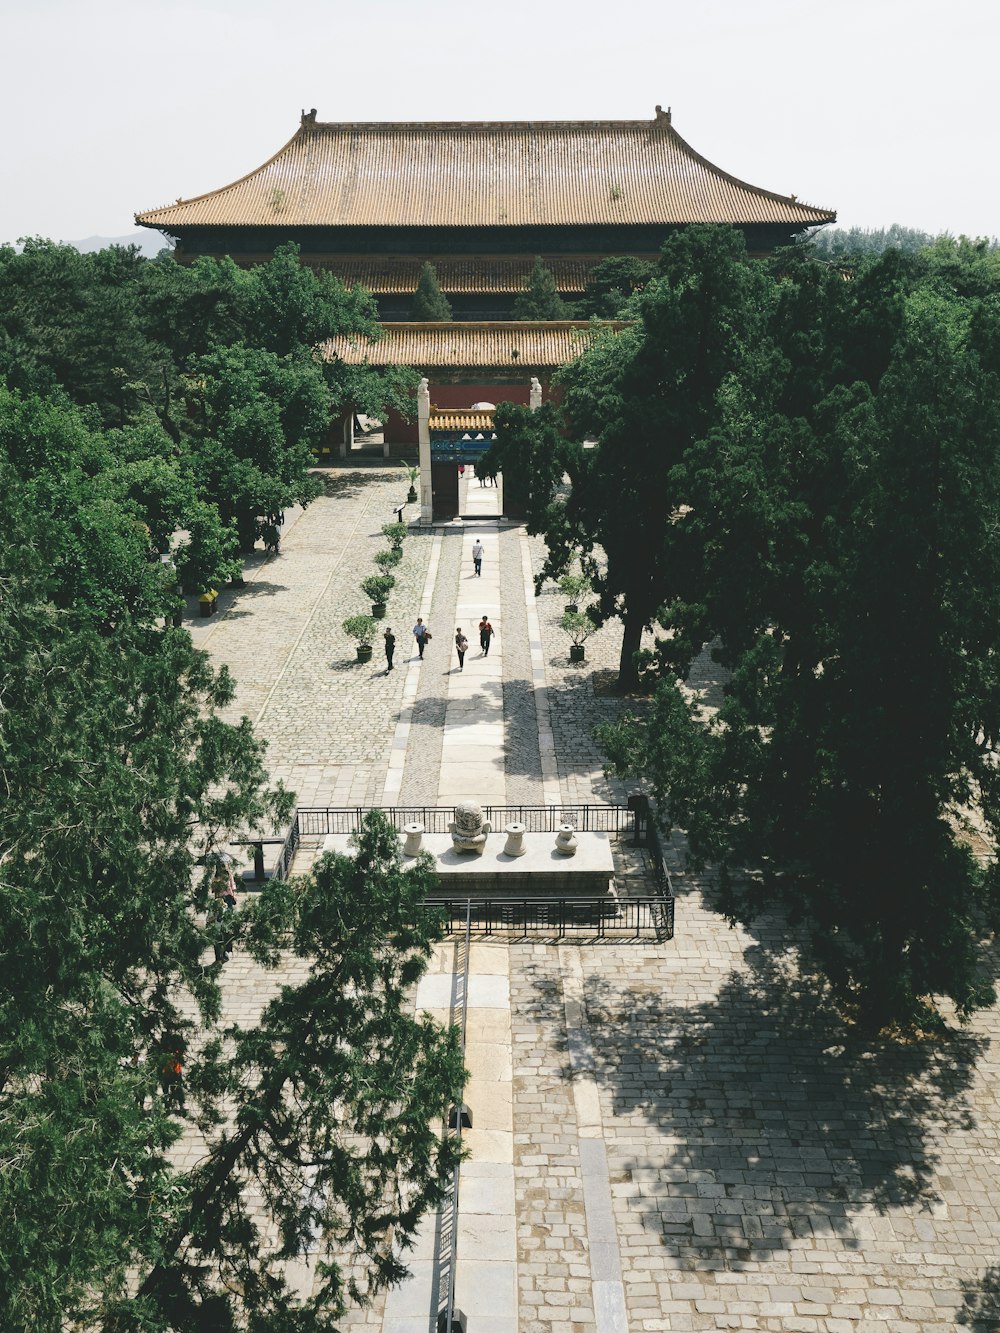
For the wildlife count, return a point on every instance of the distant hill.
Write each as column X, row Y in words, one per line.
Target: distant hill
column 149, row 242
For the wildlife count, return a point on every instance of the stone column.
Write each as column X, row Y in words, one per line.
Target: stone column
column 535, row 393
column 424, row 438
column 347, row 434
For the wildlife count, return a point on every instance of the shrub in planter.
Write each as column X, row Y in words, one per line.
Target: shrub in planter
column 413, row 473
column 362, row 630
column 579, row 627
column 387, row 560
column 573, row 587
column 378, row 587
column 394, row 533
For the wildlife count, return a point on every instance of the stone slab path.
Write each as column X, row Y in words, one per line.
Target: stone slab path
column 665, row 1137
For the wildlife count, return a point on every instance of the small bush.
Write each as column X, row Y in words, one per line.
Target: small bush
column 387, row 560
column 578, row 625
column 361, row 628
column 377, row 587
column 394, row 534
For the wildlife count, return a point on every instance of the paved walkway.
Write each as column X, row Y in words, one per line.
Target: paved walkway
column 665, row 1137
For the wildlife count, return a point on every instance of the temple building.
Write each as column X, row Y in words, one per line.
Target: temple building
column 372, row 202
column 479, row 200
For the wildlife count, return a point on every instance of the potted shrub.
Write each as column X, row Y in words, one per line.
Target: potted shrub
column 394, row 534
column 413, row 473
column 573, row 587
column 378, row 587
column 579, row 627
column 389, row 559
column 362, row 630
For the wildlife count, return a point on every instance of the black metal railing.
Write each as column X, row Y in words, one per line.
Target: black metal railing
column 557, row 918
column 447, row 1246
column 665, row 890
column 639, row 917
column 318, row 820
column 283, row 865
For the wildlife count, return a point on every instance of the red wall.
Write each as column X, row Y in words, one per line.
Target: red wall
column 460, row 396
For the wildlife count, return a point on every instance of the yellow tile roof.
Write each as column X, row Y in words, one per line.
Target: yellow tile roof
column 502, row 174
column 482, row 273
column 460, row 344
column 452, row 421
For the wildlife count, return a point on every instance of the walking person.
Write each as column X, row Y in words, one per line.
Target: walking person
column 171, row 1072
column 477, row 557
column 461, row 647
column 390, row 648
column 486, row 632
column 422, row 635
column 223, row 905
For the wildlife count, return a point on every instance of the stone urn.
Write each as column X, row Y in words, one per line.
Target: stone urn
column 469, row 829
column 413, row 834
column 514, row 846
column 565, row 842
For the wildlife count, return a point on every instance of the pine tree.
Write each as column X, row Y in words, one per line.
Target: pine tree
column 429, row 301
column 540, row 300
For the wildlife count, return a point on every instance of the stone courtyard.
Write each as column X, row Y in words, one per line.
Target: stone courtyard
column 666, row 1136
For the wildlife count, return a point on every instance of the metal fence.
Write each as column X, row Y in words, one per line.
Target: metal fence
column 562, row 918
column 315, row 821
column 583, row 919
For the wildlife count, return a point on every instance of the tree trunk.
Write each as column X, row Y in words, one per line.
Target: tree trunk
column 246, row 527
column 628, row 676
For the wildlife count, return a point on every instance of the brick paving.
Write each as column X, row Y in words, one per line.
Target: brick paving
column 766, row 1170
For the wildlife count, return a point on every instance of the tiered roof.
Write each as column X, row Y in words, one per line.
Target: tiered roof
column 492, row 174
column 512, row 345
column 476, row 273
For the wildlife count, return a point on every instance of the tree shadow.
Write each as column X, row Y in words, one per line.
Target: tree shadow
column 772, row 1121
column 981, row 1303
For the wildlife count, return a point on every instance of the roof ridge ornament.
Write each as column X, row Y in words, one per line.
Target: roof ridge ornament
column 662, row 117
column 308, row 118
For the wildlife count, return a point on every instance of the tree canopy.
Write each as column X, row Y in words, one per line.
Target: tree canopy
column 801, row 471
column 611, row 286
column 223, row 361
column 139, row 400
column 429, row 302
column 540, row 299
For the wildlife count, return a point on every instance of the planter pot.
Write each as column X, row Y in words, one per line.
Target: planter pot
column 576, row 653
column 364, row 652
column 378, row 610
column 571, row 608
column 411, row 495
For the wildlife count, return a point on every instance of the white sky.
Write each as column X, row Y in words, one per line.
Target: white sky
column 883, row 109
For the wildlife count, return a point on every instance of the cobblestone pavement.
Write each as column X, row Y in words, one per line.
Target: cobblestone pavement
column 327, row 720
column 765, row 1169
column 423, row 751
column 523, row 762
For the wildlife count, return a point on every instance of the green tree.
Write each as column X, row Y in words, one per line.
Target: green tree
column 842, row 554
column 71, row 320
column 429, row 302
column 94, row 531
column 117, row 772
column 257, row 419
column 646, row 394
column 285, row 306
column 612, row 285
column 540, row 299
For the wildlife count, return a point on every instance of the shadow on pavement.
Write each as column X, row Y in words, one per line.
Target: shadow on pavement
column 771, row 1121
